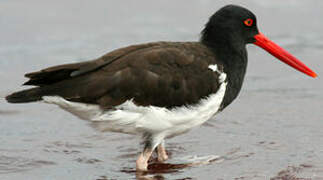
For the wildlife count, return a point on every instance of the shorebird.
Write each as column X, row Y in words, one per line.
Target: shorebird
column 162, row 89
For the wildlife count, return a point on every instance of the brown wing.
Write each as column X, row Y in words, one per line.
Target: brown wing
column 162, row 74
column 66, row 71
column 170, row 76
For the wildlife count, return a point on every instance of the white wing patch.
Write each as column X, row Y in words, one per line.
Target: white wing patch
column 222, row 76
column 213, row 67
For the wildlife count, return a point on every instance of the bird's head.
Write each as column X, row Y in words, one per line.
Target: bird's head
column 234, row 26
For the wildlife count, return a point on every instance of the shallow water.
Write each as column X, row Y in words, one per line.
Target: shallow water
column 273, row 130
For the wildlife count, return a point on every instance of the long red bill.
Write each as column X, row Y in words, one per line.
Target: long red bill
column 281, row 54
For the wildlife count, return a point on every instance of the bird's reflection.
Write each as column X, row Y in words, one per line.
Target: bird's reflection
column 160, row 168
column 155, row 169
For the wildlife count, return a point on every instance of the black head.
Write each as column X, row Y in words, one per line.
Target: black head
column 232, row 25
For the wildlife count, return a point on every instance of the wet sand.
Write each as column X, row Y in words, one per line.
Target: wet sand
column 272, row 131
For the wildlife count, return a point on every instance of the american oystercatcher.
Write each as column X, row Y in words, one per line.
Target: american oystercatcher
column 162, row 89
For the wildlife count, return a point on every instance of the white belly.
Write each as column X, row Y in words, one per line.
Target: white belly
column 133, row 119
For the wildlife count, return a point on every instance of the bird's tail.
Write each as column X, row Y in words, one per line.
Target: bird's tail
column 25, row 96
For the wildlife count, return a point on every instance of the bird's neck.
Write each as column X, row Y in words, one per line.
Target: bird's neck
column 233, row 56
column 235, row 67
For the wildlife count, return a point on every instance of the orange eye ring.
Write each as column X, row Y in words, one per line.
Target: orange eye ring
column 248, row 22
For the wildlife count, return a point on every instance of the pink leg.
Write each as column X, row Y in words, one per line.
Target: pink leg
column 142, row 161
column 161, row 152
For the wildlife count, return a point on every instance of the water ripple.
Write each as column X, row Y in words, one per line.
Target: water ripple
column 19, row 164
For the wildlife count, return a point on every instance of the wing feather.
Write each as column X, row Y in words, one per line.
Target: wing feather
column 162, row 74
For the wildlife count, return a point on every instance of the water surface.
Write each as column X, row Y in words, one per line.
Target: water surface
column 273, row 130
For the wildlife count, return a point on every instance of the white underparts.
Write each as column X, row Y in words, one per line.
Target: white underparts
column 157, row 121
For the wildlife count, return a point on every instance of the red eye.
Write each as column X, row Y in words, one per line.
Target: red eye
column 248, row 22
